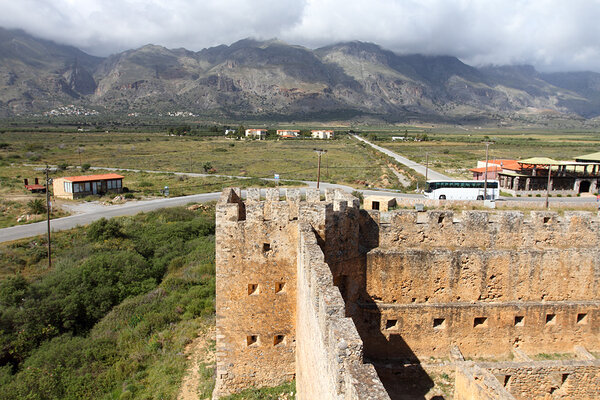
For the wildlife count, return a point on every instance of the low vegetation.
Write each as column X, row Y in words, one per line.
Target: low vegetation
column 286, row 391
column 112, row 318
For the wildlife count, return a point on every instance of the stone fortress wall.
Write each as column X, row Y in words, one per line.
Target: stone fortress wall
column 484, row 282
column 320, row 290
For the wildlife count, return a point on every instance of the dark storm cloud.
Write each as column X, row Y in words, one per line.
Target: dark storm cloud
column 550, row 34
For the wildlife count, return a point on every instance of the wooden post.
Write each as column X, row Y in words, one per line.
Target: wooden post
column 548, row 187
column 48, row 218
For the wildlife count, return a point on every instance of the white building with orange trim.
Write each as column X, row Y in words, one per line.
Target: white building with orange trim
column 288, row 133
column 73, row 187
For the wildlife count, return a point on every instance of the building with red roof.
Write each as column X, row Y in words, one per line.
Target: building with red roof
column 72, row 187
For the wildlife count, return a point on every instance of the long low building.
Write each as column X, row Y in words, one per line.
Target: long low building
column 530, row 176
column 72, row 187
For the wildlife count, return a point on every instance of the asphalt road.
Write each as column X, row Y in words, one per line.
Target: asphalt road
column 130, row 208
column 431, row 174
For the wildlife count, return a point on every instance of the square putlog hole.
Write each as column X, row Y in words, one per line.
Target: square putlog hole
column 266, row 247
column 519, row 320
column 480, row 322
column 550, row 319
column 391, row 323
column 279, row 287
column 439, row 323
column 582, row 318
column 278, row 339
column 252, row 289
column 251, row 340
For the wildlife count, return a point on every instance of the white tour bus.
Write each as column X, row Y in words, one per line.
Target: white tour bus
column 461, row 190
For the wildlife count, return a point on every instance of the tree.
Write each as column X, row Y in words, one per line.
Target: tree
column 207, row 166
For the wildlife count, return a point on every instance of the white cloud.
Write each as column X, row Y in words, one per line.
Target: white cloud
column 551, row 34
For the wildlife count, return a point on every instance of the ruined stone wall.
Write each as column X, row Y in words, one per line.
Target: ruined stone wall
column 486, row 282
column 329, row 359
column 270, row 326
column 475, row 383
column 256, row 246
column 576, row 379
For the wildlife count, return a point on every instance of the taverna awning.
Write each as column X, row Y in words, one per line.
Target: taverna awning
column 539, row 161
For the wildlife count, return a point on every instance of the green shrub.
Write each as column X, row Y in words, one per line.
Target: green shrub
column 145, row 184
column 36, row 206
column 63, row 166
column 85, row 167
column 105, row 229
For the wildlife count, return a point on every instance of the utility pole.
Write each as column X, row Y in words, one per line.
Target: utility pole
column 48, row 216
column 487, row 145
column 548, row 187
column 319, row 152
column 426, row 165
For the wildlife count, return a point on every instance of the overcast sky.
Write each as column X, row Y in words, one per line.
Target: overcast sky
column 553, row 35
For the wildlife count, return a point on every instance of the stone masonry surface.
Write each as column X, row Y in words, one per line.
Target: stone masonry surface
column 338, row 297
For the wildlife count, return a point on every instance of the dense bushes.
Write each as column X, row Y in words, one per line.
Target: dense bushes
column 114, row 316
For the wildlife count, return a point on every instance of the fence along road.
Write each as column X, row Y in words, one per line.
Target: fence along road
column 420, row 168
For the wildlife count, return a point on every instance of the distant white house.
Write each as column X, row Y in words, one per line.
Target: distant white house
column 288, row 133
column 230, row 132
column 256, row 133
column 320, row 134
column 394, row 138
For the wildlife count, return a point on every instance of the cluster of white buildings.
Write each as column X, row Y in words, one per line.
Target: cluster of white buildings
column 71, row 109
column 261, row 134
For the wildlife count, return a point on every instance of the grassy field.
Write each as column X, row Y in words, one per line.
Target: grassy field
column 344, row 162
column 23, row 155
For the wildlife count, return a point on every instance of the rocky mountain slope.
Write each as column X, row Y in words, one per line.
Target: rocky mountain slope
column 272, row 79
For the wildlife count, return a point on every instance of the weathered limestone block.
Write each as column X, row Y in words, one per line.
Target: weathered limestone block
column 313, row 195
column 252, row 195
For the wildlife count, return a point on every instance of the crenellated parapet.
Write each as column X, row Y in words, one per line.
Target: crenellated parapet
column 484, row 229
column 257, row 257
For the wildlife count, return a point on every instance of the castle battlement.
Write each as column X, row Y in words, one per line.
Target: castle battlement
column 311, row 287
column 485, row 229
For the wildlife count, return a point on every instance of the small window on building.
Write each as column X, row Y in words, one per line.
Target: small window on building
column 119, row 183
column 252, row 288
column 391, row 323
column 440, row 219
column 519, row 320
column 582, row 318
column 109, row 184
column 279, row 287
column 67, row 187
column 251, row 340
column 546, row 220
column 375, row 205
column 76, row 188
column 550, row 319
column 87, row 187
column 266, row 247
column 278, row 339
column 439, row 323
column 480, row 322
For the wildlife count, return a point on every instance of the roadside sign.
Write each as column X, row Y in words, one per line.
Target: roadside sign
column 166, row 191
column 277, row 176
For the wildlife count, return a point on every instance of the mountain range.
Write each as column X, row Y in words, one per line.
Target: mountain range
column 253, row 79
